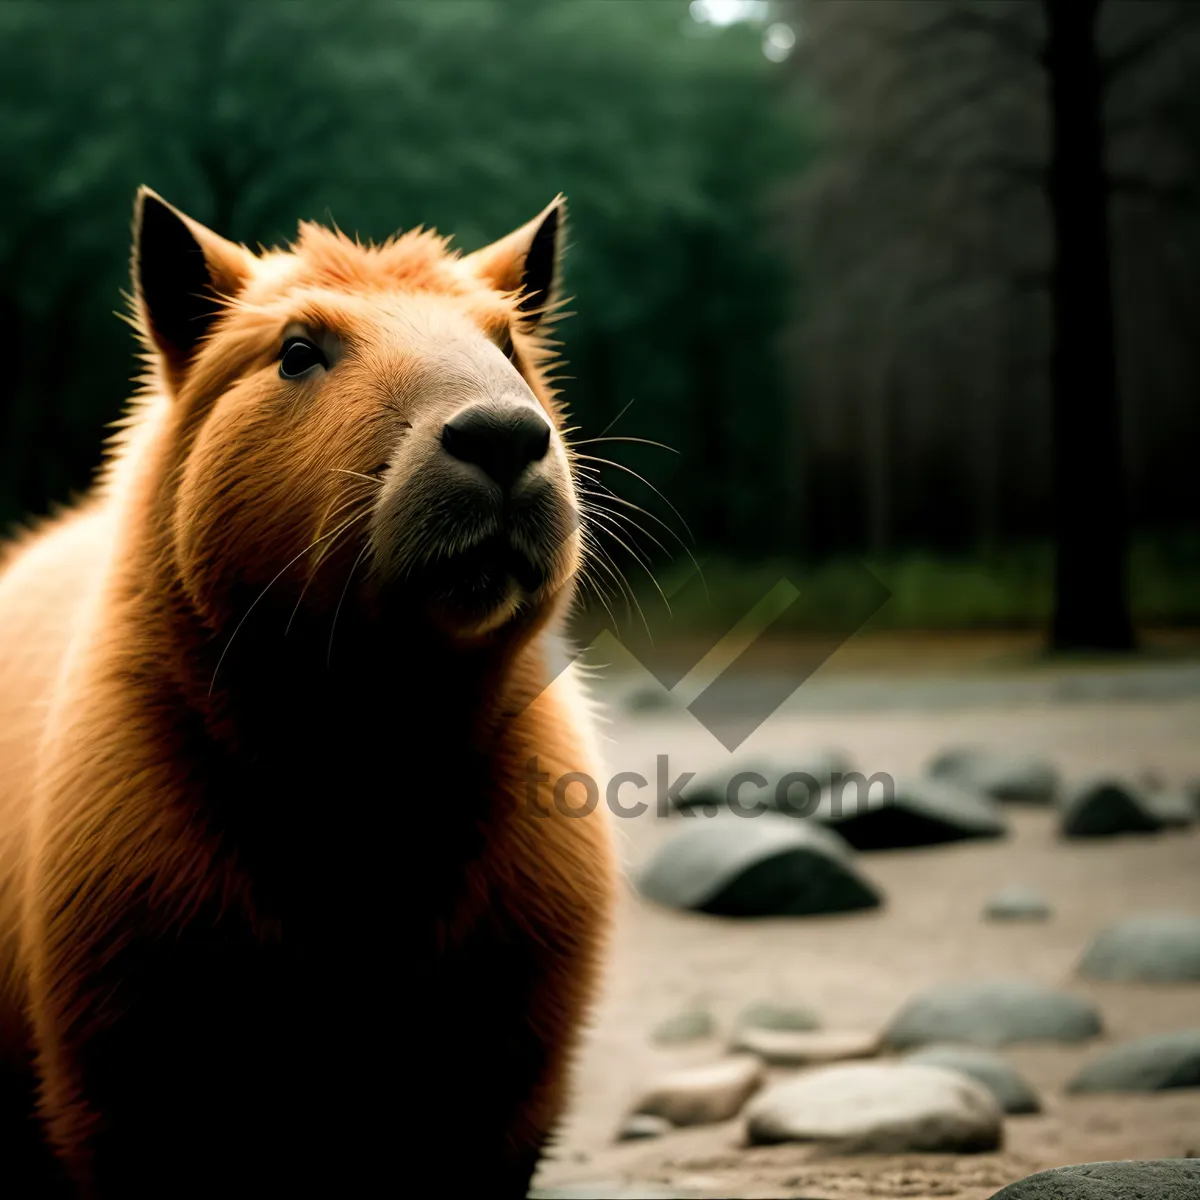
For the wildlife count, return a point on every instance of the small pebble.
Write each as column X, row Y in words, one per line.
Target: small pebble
column 692, row 1025
column 640, row 1126
column 1018, row 904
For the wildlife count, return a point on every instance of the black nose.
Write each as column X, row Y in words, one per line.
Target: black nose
column 501, row 441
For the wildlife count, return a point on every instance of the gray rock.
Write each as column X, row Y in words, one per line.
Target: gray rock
column 790, row 784
column 992, row 1014
column 912, row 812
column 1155, row 948
column 640, row 1127
column 691, row 1025
column 996, row 1074
column 1172, row 806
column 878, row 1108
column 703, row 1095
column 1152, row 1179
column 802, row 1048
column 766, row 1015
column 1011, row 778
column 651, row 698
column 1148, row 1064
column 1104, row 808
column 1018, row 904
column 766, row 865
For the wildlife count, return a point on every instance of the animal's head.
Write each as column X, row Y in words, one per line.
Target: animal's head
column 361, row 427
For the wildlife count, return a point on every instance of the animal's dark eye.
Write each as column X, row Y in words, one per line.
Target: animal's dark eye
column 299, row 357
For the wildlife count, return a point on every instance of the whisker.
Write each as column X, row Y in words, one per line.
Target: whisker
column 644, row 480
column 641, row 560
column 612, row 495
column 657, row 520
column 626, row 586
column 347, row 503
column 596, row 556
column 341, row 599
column 618, row 416
column 593, row 505
column 607, row 517
column 639, row 440
column 260, row 595
column 325, row 553
column 590, row 584
column 357, row 475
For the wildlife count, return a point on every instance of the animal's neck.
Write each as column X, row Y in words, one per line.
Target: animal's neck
column 325, row 770
column 385, row 695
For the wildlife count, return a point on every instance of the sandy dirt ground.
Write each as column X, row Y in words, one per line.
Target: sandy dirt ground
column 857, row 970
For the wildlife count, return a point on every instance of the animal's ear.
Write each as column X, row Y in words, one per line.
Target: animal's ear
column 527, row 259
column 181, row 271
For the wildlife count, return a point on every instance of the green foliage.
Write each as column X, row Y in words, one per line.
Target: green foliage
column 466, row 116
column 993, row 589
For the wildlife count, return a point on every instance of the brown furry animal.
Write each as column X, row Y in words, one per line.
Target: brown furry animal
column 276, row 913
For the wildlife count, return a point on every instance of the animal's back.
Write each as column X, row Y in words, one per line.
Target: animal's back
column 44, row 581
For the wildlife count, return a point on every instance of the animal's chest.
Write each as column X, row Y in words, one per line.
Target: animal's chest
column 412, row 940
column 415, row 1025
column 402, row 952
column 362, row 845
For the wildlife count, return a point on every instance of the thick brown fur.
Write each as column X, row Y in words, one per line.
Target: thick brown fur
column 276, row 912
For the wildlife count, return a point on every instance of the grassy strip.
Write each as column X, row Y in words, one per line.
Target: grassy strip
column 1002, row 589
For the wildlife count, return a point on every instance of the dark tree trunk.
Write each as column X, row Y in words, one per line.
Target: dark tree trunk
column 1091, row 604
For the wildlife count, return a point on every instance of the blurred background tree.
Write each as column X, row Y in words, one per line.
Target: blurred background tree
column 810, row 249
column 1004, row 209
column 467, row 116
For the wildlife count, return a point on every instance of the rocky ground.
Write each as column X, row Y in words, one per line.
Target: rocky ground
column 856, row 970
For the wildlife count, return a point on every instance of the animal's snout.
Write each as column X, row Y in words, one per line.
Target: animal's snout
column 502, row 440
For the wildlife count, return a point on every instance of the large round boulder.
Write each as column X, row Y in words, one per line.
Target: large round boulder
column 901, row 813
column 993, row 1013
column 1106, row 807
column 1151, row 1179
column 998, row 1075
column 1153, row 948
column 1157, row 1063
column 1004, row 776
column 761, row 866
column 879, row 1108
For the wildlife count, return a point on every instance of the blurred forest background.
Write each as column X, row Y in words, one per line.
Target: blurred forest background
column 817, row 247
